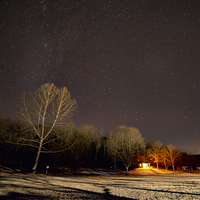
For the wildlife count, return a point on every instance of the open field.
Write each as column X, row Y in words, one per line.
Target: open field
column 167, row 186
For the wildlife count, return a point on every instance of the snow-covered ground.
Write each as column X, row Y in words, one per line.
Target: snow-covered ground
column 180, row 186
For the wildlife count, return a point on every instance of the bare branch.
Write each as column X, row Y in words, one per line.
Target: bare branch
column 47, row 107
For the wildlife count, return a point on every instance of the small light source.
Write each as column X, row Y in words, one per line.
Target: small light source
column 144, row 165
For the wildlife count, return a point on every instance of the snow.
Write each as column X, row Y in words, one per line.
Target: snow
column 179, row 186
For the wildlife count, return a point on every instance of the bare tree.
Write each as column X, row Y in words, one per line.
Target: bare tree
column 154, row 152
column 164, row 156
column 4, row 129
column 43, row 110
column 9, row 130
column 85, row 136
column 189, row 159
column 94, row 136
column 124, row 142
column 173, row 154
column 112, row 148
column 97, row 140
column 62, row 139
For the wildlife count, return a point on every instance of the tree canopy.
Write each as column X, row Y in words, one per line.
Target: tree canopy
column 125, row 142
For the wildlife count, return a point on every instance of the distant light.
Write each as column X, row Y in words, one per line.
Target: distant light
column 145, row 165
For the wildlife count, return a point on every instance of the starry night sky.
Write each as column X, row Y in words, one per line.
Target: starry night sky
column 126, row 62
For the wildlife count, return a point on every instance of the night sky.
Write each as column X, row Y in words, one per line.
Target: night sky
column 126, row 62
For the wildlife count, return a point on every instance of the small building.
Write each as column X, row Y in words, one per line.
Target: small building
column 185, row 168
column 144, row 165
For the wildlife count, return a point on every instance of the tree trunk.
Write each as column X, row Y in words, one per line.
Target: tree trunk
column 127, row 170
column 157, row 165
column 173, row 166
column 115, row 166
column 165, row 165
column 37, row 158
column 115, row 163
column 96, row 157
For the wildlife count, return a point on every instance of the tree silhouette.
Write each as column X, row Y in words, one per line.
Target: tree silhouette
column 124, row 142
column 154, row 152
column 43, row 110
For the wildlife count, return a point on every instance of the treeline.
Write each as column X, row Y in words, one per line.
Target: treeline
column 43, row 133
column 171, row 157
column 85, row 146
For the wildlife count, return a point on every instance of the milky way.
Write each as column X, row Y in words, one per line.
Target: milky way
column 133, row 63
